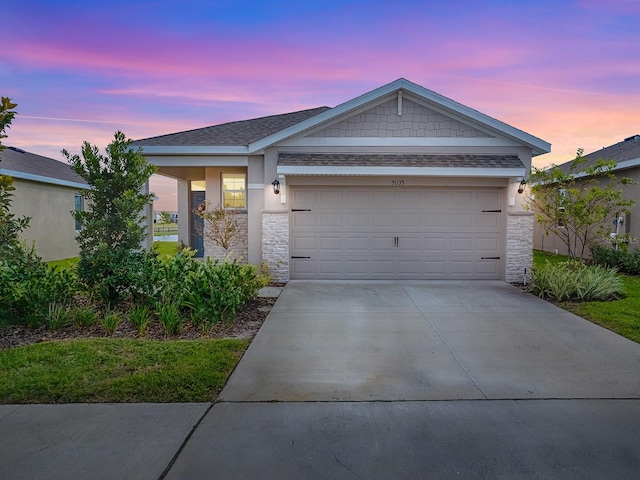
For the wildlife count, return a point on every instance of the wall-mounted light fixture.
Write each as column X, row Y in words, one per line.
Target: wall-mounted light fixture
column 276, row 186
column 522, row 185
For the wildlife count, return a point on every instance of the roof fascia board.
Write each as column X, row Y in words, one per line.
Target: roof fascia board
column 43, row 179
column 198, row 161
column 399, row 142
column 194, row 150
column 401, row 171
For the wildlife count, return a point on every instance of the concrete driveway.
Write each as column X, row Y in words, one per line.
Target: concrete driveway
column 423, row 380
column 363, row 341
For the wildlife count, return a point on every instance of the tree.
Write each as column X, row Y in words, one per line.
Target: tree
column 111, row 251
column 10, row 226
column 7, row 114
column 574, row 205
column 165, row 217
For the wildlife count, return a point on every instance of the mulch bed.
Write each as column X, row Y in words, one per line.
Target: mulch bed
column 246, row 325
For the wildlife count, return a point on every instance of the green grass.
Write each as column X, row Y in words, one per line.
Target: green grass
column 117, row 370
column 620, row 316
column 65, row 262
column 165, row 248
column 540, row 257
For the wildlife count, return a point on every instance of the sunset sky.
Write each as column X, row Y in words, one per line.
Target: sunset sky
column 565, row 71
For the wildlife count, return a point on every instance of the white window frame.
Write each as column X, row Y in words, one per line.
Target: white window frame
column 223, row 190
column 78, row 224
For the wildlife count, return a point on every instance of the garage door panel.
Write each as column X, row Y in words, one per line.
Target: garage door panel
column 331, row 244
column 357, row 219
column 302, row 219
column 301, row 243
column 430, row 233
column 357, row 243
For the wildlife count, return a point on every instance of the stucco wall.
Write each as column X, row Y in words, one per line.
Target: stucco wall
column 52, row 227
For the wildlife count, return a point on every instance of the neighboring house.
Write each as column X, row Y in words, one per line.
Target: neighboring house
column 627, row 156
column 399, row 183
column 47, row 191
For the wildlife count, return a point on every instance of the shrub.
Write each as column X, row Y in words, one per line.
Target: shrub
column 575, row 281
column 110, row 322
column 624, row 259
column 57, row 317
column 139, row 316
column 169, row 317
column 28, row 286
column 216, row 291
column 83, row 317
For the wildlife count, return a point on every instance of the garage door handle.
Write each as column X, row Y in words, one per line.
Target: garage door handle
column 300, row 209
column 490, row 258
column 300, row 257
column 396, row 241
column 491, row 211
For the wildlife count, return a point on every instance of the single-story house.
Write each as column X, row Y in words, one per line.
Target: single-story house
column 626, row 154
column 398, row 183
column 47, row 191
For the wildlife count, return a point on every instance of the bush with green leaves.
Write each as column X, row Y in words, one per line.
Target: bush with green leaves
column 623, row 258
column 28, row 287
column 218, row 289
column 575, row 281
column 113, row 228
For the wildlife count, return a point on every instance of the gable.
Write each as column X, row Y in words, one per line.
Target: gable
column 383, row 121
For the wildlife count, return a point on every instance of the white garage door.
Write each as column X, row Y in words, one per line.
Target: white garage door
column 403, row 233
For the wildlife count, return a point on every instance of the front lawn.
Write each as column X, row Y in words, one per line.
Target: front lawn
column 118, row 370
column 620, row 316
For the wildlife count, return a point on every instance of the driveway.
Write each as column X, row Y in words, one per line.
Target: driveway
column 364, row 341
column 404, row 379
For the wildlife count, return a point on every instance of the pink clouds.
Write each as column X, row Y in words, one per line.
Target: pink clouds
column 564, row 71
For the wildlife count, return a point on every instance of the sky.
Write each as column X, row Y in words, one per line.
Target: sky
column 566, row 71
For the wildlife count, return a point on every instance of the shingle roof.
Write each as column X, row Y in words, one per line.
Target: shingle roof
column 406, row 160
column 233, row 133
column 18, row 160
column 628, row 149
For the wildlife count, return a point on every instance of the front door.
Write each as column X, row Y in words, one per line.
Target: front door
column 197, row 224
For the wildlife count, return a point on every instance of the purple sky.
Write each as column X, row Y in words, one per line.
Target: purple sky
column 565, row 71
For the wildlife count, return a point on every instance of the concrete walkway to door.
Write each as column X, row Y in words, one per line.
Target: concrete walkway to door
column 416, row 340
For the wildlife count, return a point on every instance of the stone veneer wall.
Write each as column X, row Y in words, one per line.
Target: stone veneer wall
column 275, row 243
column 239, row 251
column 519, row 246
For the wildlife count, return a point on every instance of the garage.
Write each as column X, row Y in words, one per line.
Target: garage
column 396, row 232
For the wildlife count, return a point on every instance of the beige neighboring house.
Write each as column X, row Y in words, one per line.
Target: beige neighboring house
column 398, row 183
column 626, row 154
column 47, row 191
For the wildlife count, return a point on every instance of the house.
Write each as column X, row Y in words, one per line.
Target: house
column 398, row 183
column 47, row 191
column 626, row 154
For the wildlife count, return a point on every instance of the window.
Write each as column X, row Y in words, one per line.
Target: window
column 234, row 190
column 78, row 207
